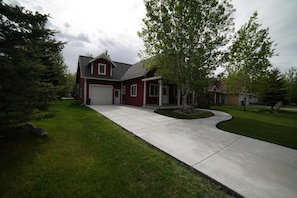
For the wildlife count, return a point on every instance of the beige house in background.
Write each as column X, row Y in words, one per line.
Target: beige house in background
column 220, row 96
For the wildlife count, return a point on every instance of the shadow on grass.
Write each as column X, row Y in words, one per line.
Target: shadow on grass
column 19, row 150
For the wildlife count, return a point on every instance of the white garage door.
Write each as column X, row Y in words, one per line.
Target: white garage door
column 101, row 94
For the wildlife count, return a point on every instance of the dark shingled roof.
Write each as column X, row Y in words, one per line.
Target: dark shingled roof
column 120, row 70
column 105, row 56
column 117, row 72
column 135, row 71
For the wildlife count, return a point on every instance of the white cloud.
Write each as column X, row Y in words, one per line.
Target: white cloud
column 93, row 26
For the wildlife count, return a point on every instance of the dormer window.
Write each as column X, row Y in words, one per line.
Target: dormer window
column 101, row 69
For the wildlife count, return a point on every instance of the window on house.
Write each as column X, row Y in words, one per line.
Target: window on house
column 116, row 93
column 133, row 90
column 124, row 90
column 153, row 90
column 101, row 69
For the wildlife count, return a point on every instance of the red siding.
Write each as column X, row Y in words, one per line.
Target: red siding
column 81, row 90
column 151, row 100
column 130, row 100
column 103, row 61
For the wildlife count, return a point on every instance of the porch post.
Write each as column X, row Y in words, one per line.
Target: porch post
column 178, row 95
column 215, row 98
column 144, row 93
column 160, row 92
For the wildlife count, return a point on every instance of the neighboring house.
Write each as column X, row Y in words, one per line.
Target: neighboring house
column 218, row 93
column 103, row 81
column 220, row 96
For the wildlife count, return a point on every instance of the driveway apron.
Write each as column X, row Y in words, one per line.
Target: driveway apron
column 251, row 167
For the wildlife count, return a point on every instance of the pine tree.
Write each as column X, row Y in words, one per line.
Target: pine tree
column 27, row 55
column 275, row 90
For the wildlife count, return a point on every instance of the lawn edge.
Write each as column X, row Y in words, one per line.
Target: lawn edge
column 250, row 136
column 225, row 188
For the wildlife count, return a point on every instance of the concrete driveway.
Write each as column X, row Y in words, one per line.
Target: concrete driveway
column 250, row 167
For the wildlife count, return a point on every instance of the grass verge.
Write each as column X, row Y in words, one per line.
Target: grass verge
column 86, row 155
column 173, row 114
column 261, row 123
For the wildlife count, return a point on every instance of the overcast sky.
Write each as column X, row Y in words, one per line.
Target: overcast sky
column 93, row 26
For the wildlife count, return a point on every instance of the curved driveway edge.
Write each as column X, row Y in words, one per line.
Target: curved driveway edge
column 252, row 168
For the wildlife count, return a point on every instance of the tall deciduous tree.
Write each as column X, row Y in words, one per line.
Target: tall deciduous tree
column 185, row 39
column 249, row 57
column 30, row 70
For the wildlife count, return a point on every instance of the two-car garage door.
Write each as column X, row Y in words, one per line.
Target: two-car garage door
column 101, row 94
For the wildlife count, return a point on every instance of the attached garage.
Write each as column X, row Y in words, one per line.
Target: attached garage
column 101, row 94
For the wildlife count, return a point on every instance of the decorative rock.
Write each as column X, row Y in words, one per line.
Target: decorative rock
column 31, row 129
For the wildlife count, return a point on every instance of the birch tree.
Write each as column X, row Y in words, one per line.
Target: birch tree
column 185, row 39
column 249, row 58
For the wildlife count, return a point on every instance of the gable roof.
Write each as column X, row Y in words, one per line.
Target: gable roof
column 84, row 64
column 218, row 87
column 135, row 71
column 103, row 56
column 120, row 71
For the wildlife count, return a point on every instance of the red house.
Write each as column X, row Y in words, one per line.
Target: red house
column 103, row 81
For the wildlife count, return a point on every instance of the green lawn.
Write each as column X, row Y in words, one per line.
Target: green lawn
column 261, row 123
column 86, row 155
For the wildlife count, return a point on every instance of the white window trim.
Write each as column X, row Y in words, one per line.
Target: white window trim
column 150, row 88
column 131, row 88
column 101, row 64
column 124, row 90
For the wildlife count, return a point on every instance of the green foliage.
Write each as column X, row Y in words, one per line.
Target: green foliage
column 87, row 155
column 291, row 82
column 185, row 39
column 71, row 84
column 275, row 88
column 31, row 70
column 249, row 57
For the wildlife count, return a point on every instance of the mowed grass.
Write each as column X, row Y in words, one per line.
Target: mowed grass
column 263, row 124
column 86, row 155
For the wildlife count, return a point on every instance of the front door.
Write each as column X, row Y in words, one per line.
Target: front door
column 165, row 98
column 117, row 98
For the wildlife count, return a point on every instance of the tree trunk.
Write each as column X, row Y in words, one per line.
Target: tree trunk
column 244, row 102
column 184, row 102
column 185, row 92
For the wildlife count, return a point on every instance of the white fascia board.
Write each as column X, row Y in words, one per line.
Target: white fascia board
column 152, row 78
